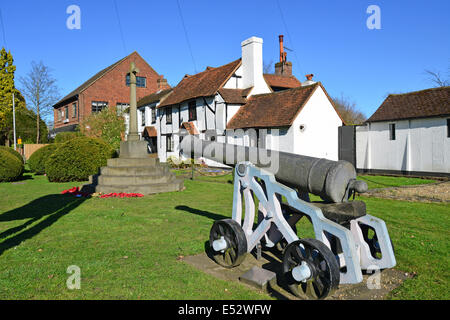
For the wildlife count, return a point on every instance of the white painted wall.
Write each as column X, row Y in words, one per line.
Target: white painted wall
column 420, row 145
column 319, row 137
column 235, row 82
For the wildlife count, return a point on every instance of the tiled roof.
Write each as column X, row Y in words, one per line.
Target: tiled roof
column 91, row 80
column 274, row 80
column 237, row 96
column 419, row 104
column 150, row 131
column 190, row 127
column 154, row 97
column 277, row 109
column 202, row 84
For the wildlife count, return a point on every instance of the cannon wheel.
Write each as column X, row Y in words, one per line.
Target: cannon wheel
column 236, row 241
column 322, row 263
column 282, row 244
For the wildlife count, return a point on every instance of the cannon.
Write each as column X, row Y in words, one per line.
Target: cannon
column 347, row 240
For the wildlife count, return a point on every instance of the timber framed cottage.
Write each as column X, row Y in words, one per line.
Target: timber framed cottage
column 237, row 103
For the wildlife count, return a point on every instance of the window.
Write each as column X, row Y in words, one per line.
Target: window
column 143, row 117
column 192, row 110
column 153, row 115
column 169, row 115
column 98, row 106
column 121, row 107
column 391, row 131
column 59, row 114
column 74, row 110
column 141, row 82
column 448, row 128
column 66, row 111
column 169, row 143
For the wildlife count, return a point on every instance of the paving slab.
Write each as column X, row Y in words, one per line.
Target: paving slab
column 271, row 261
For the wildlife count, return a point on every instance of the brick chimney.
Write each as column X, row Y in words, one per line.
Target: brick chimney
column 283, row 67
column 161, row 83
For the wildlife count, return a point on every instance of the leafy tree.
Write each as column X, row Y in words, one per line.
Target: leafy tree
column 106, row 125
column 25, row 127
column 348, row 111
column 40, row 88
column 7, row 88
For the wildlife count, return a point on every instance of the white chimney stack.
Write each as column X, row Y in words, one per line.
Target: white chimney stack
column 252, row 65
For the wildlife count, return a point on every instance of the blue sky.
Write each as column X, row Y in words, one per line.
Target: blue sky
column 330, row 39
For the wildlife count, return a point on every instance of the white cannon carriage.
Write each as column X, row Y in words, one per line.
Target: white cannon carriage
column 347, row 239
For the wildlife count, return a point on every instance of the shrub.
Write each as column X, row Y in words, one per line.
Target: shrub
column 77, row 159
column 10, row 167
column 39, row 157
column 106, row 125
column 15, row 154
column 178, row 163
column 67, row 136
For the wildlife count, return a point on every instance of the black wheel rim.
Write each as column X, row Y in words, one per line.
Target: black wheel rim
column 322, row 263
column 236, row 241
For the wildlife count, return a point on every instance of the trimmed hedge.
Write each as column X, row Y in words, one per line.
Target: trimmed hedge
column 77, row 159
column 39, row 157
column 67, row 136
column 13, row 152
column 11, row 168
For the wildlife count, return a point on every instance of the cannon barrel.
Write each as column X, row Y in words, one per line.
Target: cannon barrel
column 333, row 181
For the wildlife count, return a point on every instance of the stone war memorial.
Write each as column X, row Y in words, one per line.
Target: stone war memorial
column 135, row 171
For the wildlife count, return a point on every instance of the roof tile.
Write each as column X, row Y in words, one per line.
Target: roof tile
column 202, row 84
column 419, row 104
column 275, row 109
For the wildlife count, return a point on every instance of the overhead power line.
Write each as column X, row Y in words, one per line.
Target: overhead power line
column 120, row 27
column 186, row 35
column 289, row 36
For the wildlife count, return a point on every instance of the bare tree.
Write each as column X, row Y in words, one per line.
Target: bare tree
column 348, row 111
column 39, row 87
column 437, row 78
column 268, row 68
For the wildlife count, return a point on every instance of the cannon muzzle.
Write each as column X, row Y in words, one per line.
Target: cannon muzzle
column 333, row 181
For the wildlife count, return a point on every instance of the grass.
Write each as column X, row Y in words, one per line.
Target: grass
column 374, row 182
column 131, row 248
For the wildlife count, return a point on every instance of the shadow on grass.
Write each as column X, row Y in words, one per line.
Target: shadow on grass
column 210, row 215
column 49, row 208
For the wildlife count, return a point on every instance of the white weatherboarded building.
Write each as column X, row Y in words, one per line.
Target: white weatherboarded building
column 236, row 103
column 408, row 134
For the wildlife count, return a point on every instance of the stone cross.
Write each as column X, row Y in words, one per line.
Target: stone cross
column 133, row 134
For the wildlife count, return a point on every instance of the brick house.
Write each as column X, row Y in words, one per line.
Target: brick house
column 109, row 87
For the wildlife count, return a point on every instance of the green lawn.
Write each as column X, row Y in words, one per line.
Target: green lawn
column 391, row 181
column 129, row 248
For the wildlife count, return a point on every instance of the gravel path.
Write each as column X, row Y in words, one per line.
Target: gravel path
column 435, row 192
